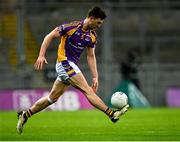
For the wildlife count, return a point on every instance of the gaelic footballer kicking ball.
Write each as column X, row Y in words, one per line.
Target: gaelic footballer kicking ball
column 119, row 100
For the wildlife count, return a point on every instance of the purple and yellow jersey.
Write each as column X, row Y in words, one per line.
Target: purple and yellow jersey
column 74, row 40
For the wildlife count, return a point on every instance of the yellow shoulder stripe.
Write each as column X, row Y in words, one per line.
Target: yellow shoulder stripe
column 93, row 37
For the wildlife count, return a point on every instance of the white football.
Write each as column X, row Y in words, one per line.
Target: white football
column 119, row 100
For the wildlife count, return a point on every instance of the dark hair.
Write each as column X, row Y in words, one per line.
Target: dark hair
column 97, row 12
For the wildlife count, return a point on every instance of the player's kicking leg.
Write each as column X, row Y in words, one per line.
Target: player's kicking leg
column 80, row 82
column 56, row 91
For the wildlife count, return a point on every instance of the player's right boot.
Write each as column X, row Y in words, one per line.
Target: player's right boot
column 22, row 119
column 118, row 113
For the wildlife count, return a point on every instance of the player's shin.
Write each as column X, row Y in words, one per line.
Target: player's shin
column 41, row 104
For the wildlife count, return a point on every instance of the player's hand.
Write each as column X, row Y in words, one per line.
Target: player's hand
column 95, row 84
column 39, row 64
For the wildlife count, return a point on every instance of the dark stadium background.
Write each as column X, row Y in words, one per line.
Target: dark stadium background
column 151, row 27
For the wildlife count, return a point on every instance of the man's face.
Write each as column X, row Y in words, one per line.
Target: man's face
column 95, row 23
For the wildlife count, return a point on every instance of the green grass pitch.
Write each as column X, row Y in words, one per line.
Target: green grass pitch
column 92, row 125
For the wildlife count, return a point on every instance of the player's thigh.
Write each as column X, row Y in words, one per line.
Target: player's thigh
column 57, row 89
column 80, row 82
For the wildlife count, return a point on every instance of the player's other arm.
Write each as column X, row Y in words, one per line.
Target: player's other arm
column 46, row 42
column 91, row 59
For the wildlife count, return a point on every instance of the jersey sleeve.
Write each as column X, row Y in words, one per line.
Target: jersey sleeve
column 93, row 45
column 94, row 40
column 61, row 30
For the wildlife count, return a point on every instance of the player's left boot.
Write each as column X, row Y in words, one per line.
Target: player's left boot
column 118, row 113
column 22, row 119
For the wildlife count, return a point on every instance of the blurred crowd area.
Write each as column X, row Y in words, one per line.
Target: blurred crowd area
column 151, row 29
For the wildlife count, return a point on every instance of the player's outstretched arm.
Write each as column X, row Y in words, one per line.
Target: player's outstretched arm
column 91, row 59
column 39, row 64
